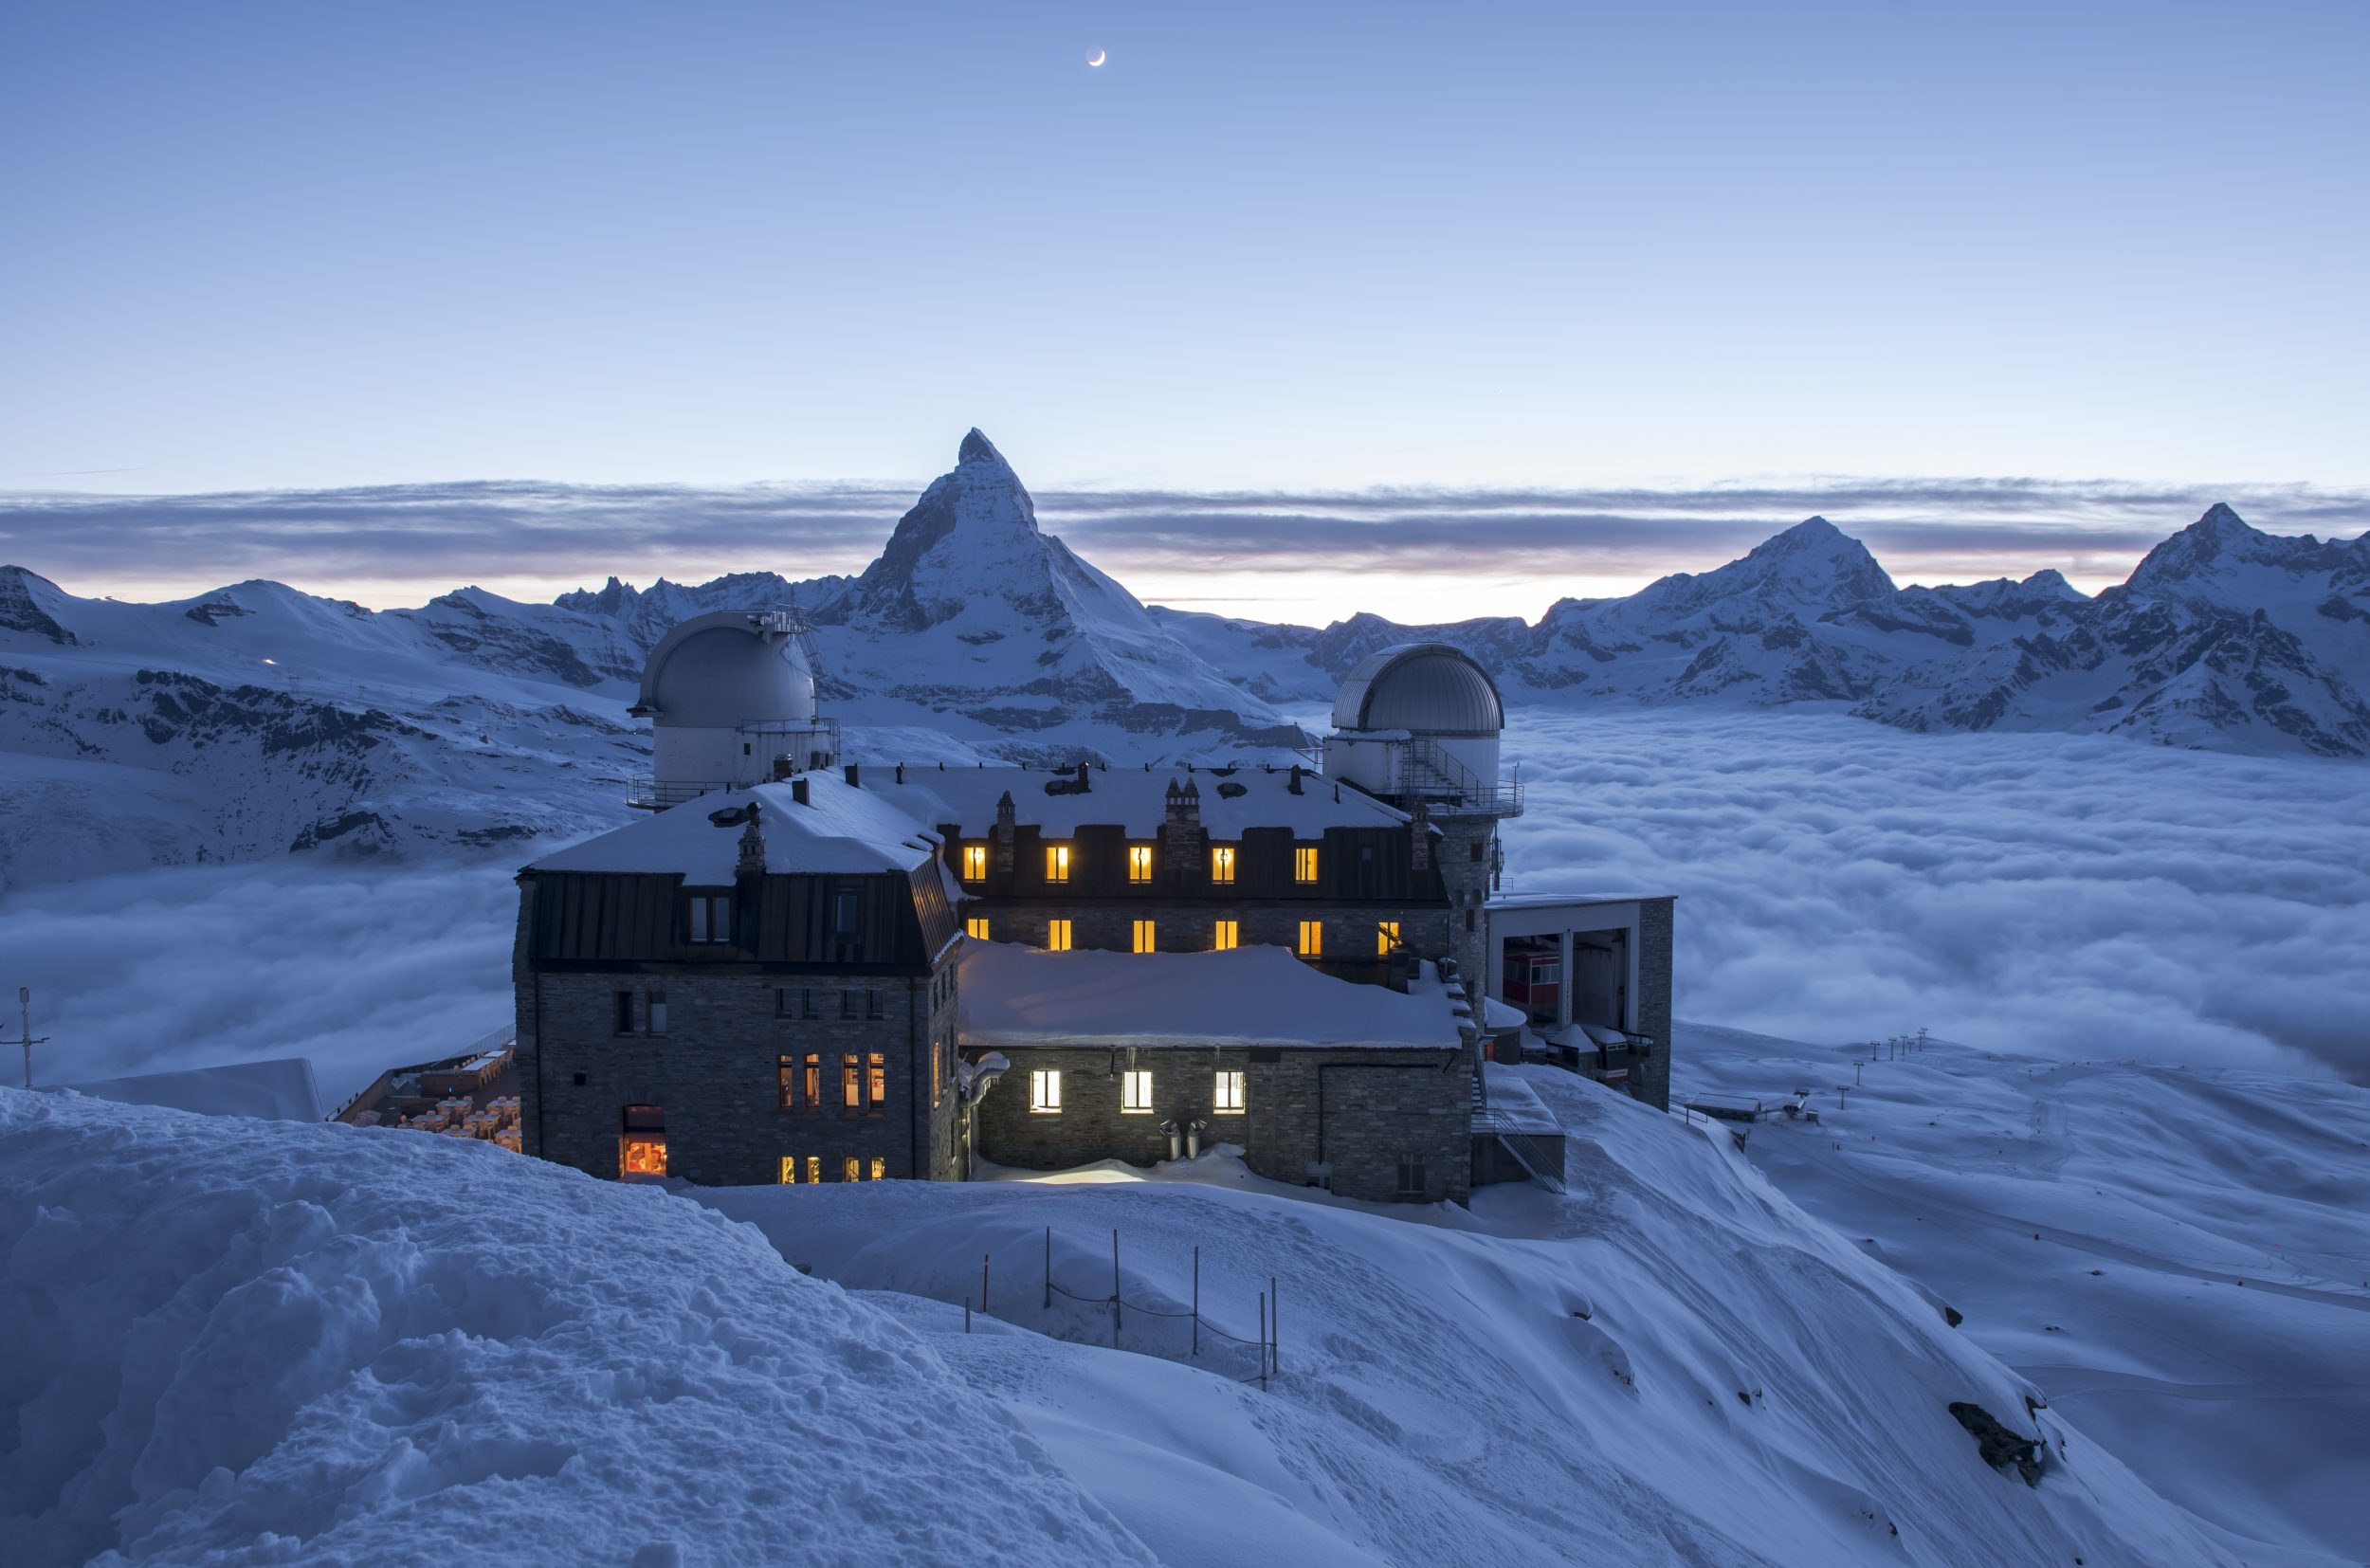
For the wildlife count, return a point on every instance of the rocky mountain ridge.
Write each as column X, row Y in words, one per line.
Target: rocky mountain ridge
column 255, row 720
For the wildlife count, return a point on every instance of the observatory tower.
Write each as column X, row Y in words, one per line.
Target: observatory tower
column 731, row 698
column 1417, row 725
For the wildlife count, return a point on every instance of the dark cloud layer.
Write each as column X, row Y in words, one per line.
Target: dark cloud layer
column 566, row 534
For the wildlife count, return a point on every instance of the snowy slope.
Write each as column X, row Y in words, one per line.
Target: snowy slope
column 2095, row 1221
column 1670, row 1365
column 326, row 1345
column 2224, row 638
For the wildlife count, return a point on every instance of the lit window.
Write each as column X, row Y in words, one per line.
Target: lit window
column 876, row 1080
column 642, row 1141
column 1410, row 1175
column 1228, row 1097
column 786, row 1084
column 657, row 1012
column 1135, row 1092
column 850, row 1084
column 1304, row 864
column 711, row 917
column 1312, row 938
column 789, row 1168
column 851, row 1169
column 1057, row 863
column 811, row 1083
column 1386, row 936
column 880, row 1167
column 1057, row 935
column 1228, row 934
column 1222, row 863
column 975, row 862
column 977, row 926
column 815, row 1169
column 1044, row 1092
column 1145, row 938
column 1139, row 862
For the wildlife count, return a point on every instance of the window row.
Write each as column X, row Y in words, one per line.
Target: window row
column 1223, row 859
column 809, row 1169
column 862, row 1082
column 708, row 917
column 1144, row 936
column 812, row 1003
column 1044, row 1092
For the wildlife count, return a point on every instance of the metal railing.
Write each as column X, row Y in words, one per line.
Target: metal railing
column 1539, row 1154
column 1449, row 786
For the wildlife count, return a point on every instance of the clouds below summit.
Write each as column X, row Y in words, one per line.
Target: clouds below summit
column 2072, row 896
column 1413, row 554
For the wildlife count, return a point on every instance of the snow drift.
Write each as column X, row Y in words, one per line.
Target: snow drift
column 274, row 1343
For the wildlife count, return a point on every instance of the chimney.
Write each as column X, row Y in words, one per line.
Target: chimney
column 1007, row 817
column 798, row 790
column 849, row 772
column 1419, row 834
column 1297, row 773
column 901, row 773
column 1181, row 837
column 751, row 861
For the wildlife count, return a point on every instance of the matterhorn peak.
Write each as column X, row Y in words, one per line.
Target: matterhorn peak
column 977, row 448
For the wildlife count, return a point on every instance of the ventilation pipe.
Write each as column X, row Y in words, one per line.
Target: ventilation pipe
column 1193, row 1137
column 798, row 790
column 1177, row 1139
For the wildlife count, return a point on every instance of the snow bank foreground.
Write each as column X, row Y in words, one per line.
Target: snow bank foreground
column 251, row 1342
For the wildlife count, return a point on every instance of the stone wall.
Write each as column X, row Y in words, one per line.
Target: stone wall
column 1465, row 850
column 1359, row 1111
column 1649, row 1077
column 713, row 1072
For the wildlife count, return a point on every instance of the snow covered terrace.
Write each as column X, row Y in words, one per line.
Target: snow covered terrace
column 1017, row 996
column 1232, row 799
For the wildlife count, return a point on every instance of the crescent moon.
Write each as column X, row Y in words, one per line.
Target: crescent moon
column 1101, row 55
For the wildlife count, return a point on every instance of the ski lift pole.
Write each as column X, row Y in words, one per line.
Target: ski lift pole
column 25, row 1019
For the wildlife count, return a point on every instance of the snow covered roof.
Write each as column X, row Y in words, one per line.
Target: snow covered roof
column 841, row 829
column 1132, row 799
column 1554, row 900
column 1014, row 995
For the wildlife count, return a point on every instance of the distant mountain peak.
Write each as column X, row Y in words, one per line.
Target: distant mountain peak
column 977, row 448
column 2219, row 519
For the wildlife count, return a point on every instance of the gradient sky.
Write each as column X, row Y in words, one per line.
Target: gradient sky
column 254, row 246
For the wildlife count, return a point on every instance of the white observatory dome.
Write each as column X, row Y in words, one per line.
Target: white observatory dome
column 1427, row 688
column 731, row 696
column 726, row 670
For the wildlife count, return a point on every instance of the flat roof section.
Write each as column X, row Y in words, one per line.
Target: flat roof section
column 1018, row 997
column 1128, row 799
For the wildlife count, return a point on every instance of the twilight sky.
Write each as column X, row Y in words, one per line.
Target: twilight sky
column 1810, row 253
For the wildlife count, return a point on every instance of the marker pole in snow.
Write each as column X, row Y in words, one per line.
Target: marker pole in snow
column 983, row 1285
column 24, row 1018
column 1263, row 1341
column 1196, row 1300
column 1048, row 1269
column 1115, row 1289
column 1275, row 1325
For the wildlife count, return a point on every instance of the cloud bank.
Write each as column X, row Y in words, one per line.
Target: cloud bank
column 1311, row 557
column 2068, row 896
column 2072, row 896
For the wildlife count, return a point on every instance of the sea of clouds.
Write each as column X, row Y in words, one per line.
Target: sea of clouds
column 2085, row 897
column 2076, row 895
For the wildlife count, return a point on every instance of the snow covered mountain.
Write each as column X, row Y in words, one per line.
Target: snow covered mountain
column 256, row 719
column 2224, row 638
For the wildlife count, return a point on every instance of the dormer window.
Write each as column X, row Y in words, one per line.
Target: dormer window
column 1304, row 864
column 844, row 911
column 711, row 917
column 1139, row 862
column 1222, row 863
column 1057, row 863
column 975, row 862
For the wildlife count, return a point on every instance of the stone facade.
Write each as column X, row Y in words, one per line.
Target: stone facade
column 715, row 1072
column 1370, row 1115
column 1467, row 858
column 1649, row 1076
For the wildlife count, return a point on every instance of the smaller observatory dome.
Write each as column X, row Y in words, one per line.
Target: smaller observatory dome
column 1427, row 688
column 729, row 668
